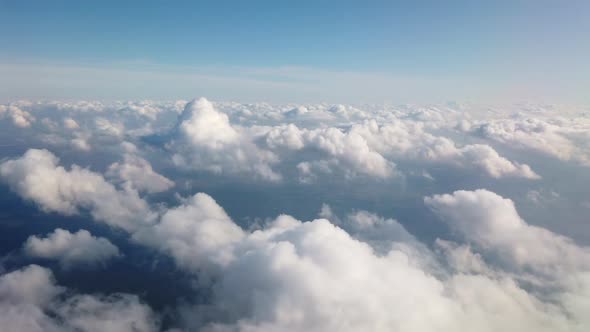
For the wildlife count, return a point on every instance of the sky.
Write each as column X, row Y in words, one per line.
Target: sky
column 310, row 166
column 377, row 51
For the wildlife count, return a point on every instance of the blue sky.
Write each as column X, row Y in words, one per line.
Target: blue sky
column 423, row 50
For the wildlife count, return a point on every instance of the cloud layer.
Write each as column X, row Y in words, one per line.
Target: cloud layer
column 270, row 143
column 225, row 194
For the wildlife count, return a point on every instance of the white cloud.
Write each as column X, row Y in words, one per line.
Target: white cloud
column 30, row 301
column 210, row 142
column 36, row 176
column 314, row 276
column 409, row 140
column 20, row 118
column 565, row 139
column 380, row 233
column 490, row 162
column 204, row 126
column 259, row 141
column 351, row 149
column 346, row 151
column 355, row 273
column 194, row 233
column 70, row 123
column 31, row 285
column 110, row 128
column 71, row 249
column 80, row 106
column 492, row 223
column 80, row 144
column 139, row 174
column 144, row 108
column 372, row 149
column 461, row 258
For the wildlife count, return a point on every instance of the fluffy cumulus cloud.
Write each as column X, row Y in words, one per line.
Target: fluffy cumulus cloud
column 211, row 143
column 232, row 142
column 335, row 148
column 19, row 117
column 108, row 127
column 71, row 249
column 412, row 141
column 37, row 176
column 204, row 126
column 371, row 148
column 492, row 223
column 450, row 260
column 194, row 233
column 139, row 174
column 30, row 300
column 70, row 123
column 382, row 234
column 301, row 276
column 271, row 142
column 550, row 134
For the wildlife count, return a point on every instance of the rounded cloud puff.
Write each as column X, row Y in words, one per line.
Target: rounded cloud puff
column 30, row 301
column 492, row 223
column 315, row 276
column 38, row 177
column 70, row 249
